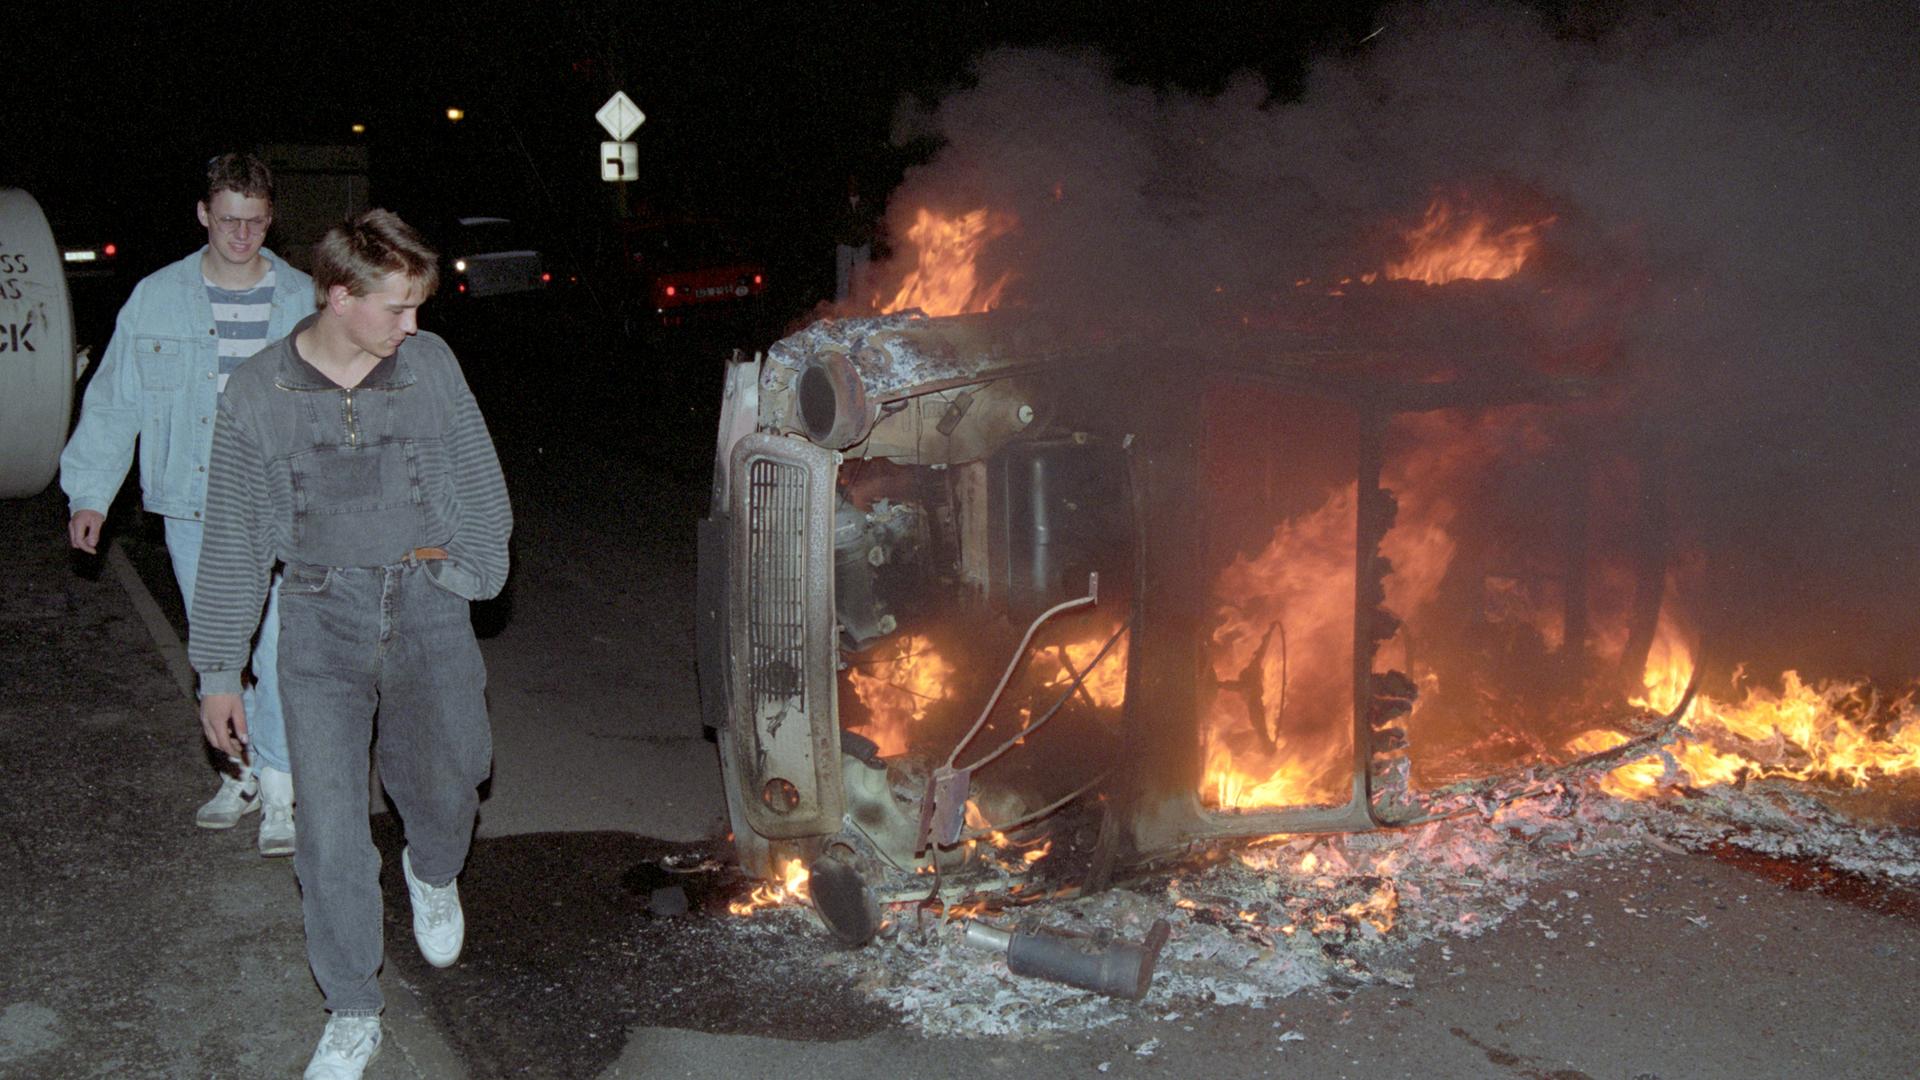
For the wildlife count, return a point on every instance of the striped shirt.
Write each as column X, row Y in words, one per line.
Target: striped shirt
column 240, row 316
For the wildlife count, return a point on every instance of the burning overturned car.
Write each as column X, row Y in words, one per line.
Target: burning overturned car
column 988, row 597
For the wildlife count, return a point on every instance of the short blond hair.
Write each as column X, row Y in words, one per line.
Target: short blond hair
column 358, row 252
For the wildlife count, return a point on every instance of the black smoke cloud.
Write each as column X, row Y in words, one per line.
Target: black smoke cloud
column 1758, row 162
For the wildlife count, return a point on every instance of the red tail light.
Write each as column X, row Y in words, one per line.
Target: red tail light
column 545, row 277
column 111, row 250
column 461, row 287
column 671, row 291
column 758, row 279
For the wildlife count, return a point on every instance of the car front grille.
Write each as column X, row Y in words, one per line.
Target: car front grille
column 776, row 583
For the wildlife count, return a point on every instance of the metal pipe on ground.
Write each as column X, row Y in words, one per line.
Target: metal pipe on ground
column 1121, row 969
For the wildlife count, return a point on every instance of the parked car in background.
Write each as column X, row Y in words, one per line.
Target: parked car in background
column 691, row 267
column 97, row 257
column 489, row 256
column 88, row 233
column 97, row 254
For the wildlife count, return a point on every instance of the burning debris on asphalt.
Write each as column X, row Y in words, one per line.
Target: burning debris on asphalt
column 1400, row 459
column 1256, row 923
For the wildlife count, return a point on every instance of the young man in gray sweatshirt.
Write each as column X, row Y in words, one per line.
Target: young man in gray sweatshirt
column 353, row 453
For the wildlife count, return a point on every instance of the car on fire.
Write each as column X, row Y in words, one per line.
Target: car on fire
column 968, row 577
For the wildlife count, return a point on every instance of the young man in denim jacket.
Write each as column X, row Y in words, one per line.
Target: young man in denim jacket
column 183, row 331
column 354, row 454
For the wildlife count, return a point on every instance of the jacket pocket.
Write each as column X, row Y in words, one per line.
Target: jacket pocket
column 161, row 361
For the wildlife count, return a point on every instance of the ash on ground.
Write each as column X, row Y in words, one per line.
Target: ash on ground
column 1258, row 922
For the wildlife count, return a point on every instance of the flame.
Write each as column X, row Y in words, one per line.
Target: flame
column 1294, row 601
column 790, row 891
column 1379, row 910
column 1105, row 684
column 1227, row 786
column 1448, row 246
column 945, row 277
column 1802, row 732
column 898, row 685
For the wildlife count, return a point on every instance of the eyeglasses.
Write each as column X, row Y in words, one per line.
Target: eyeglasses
column 242, row 224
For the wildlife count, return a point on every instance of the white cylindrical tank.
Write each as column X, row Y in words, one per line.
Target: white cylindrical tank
column 36, row 348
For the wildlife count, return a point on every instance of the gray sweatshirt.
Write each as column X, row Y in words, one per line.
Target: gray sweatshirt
column 305, row 472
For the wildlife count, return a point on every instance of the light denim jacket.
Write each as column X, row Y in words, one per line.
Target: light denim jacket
column 159, row 381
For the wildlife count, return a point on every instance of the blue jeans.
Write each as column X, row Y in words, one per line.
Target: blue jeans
column 266, row 723
column 360, row 640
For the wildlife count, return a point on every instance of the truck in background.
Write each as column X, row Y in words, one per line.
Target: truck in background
column 314, row 188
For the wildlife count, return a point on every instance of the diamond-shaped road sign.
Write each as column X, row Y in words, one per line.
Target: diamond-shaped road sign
column 620, row 116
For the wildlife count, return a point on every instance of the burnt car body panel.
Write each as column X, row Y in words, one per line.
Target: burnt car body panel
column 1031, row 459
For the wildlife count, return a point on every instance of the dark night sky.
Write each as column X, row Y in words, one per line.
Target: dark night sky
column 753, row 108
column 1757, row 156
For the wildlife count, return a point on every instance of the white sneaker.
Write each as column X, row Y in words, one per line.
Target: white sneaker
column 237, row 797
column 346, row 1047
column 276, row 812
column 439, row 926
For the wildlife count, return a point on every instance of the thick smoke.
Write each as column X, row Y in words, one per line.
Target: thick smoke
column 1746, row 175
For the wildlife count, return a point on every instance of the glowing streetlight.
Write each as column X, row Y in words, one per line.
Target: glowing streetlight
column 456, row 115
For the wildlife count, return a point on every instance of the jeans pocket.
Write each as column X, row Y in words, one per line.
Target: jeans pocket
column 305, row 580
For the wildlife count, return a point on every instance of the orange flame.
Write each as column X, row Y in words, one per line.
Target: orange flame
column 898, row 686
column 1801, row 733
column 1105, row 684
column 790, row 891
column 1448, row 246
column 945, row 277
column 1285, row 625
column 1227, row 786
column 1379, row 909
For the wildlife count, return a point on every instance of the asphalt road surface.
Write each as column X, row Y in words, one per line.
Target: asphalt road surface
column 134, row 945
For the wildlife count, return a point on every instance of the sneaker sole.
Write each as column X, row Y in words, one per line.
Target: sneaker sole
column 218, row 823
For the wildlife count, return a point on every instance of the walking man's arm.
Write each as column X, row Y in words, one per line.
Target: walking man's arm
column 235, row 562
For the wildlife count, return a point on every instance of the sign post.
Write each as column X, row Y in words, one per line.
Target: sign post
column 620, row 159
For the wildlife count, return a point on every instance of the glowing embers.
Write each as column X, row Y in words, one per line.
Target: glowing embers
column 1453, row 245
column 1836, row 732
column 946, row 277
column 1328, row 891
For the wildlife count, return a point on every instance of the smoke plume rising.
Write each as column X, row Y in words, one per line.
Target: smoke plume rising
column 1737, row 179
